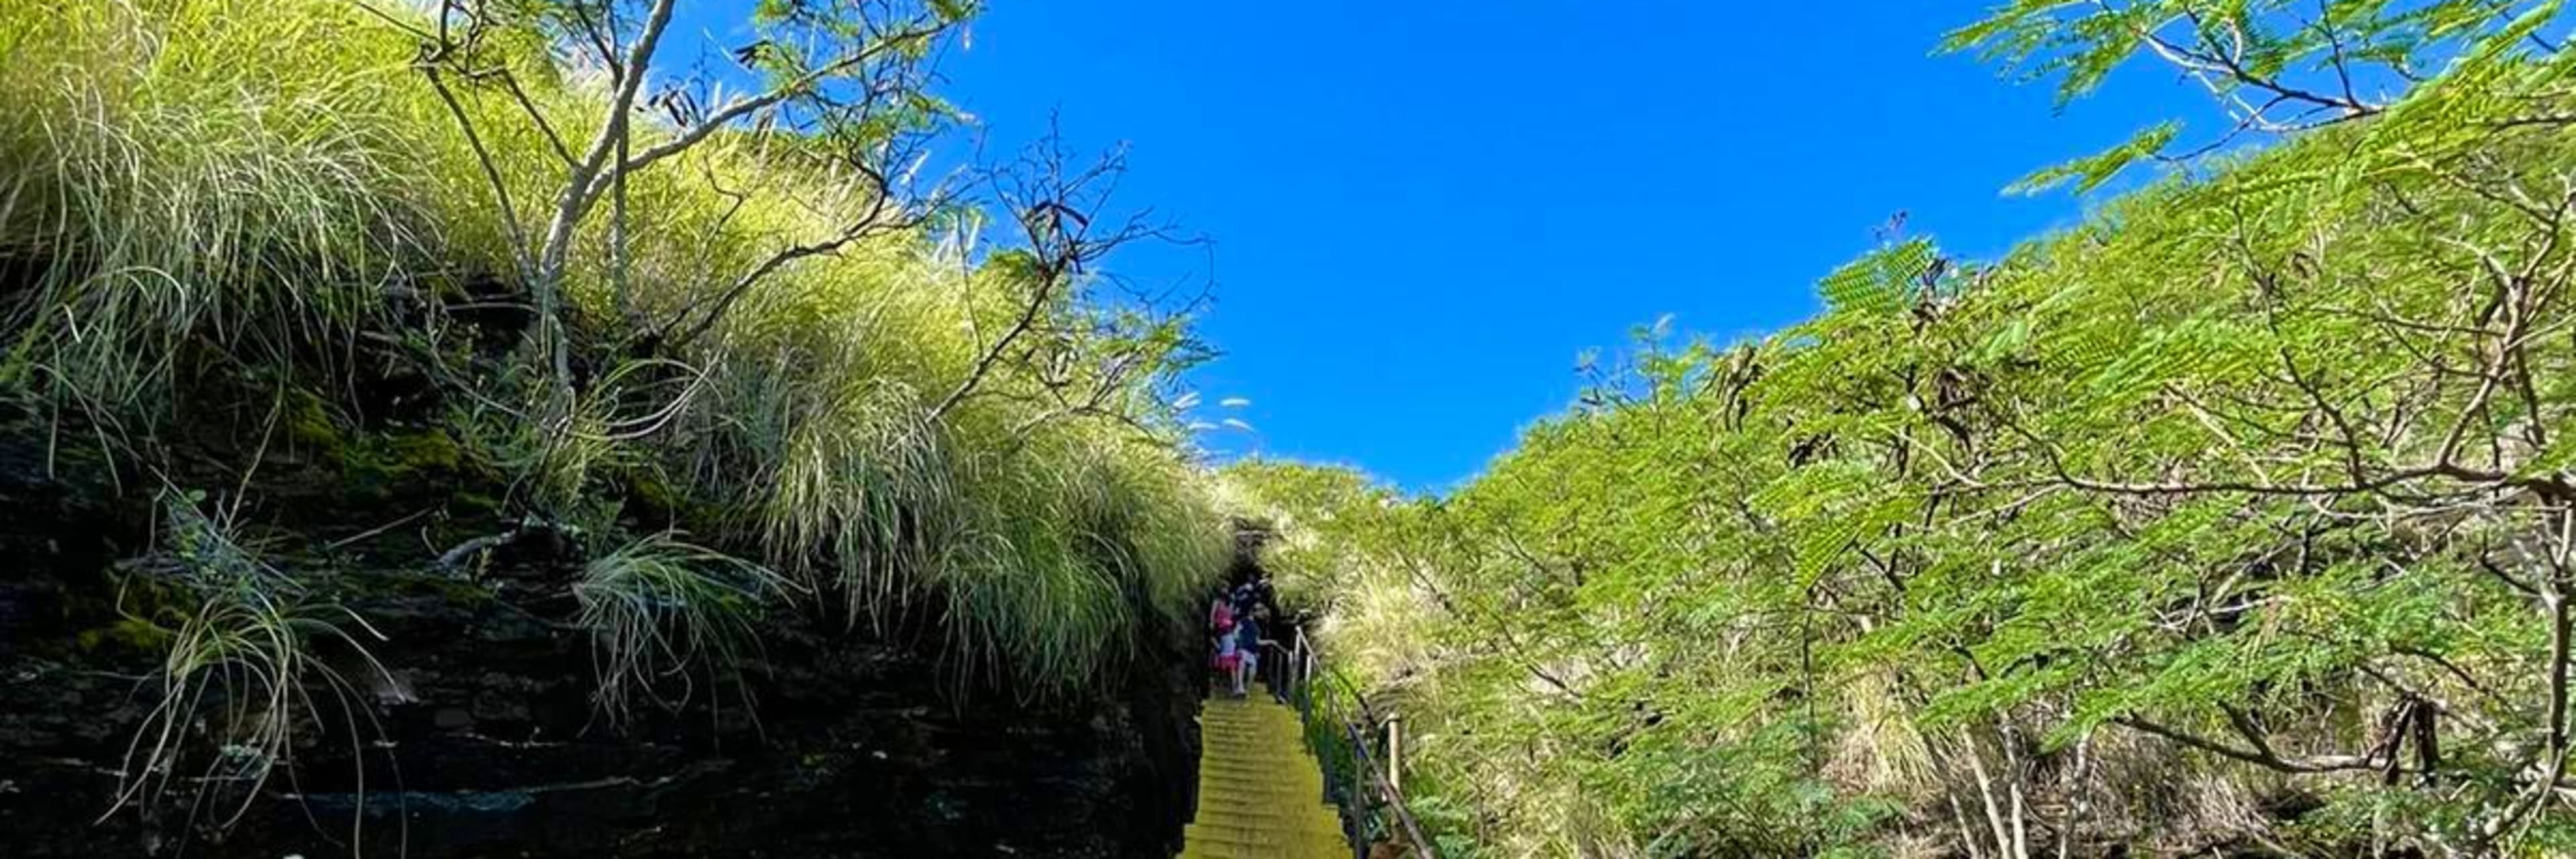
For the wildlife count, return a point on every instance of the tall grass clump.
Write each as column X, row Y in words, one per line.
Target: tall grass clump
column 1172, row 525
column 170, row 198
column 270, row 192
column 660, row 609
column 1037, row 542
column 1058, row 560
column 253, row 659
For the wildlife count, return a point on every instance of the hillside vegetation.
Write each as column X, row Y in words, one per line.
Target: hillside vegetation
column 273, row 273
column 267, row 194
column 2235, row 519
column 2238, row 519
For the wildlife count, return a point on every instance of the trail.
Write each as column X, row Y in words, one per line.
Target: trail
column 1260, row 793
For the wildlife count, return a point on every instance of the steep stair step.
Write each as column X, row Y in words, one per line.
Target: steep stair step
column 1260, row 792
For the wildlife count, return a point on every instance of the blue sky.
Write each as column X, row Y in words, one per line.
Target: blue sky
column 1423, row 211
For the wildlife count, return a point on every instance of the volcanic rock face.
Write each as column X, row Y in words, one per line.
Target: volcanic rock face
column 479, row 737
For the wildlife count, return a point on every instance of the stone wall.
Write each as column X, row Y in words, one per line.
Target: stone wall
column 484, row 741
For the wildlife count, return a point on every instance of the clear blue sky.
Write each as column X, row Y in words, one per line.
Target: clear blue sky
column 1424, row 210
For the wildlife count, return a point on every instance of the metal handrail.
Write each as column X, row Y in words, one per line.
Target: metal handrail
column 1299, row 672
column 1394, row 797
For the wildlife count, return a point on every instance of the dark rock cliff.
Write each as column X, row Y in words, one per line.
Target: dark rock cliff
column 479, row 738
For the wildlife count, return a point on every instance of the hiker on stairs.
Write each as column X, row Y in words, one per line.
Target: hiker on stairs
column 1221, row 655
column 1247, row 647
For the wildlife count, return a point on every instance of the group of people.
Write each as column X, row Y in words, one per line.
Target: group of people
column 1236, row 619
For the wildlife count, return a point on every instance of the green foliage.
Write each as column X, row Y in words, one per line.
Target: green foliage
column 2090, row 172
column 2246, row 494
column 195, row 202
column 2273, row 66
column 192, row 201
column 2080, row 44
column 249, row 657
column 659, row 610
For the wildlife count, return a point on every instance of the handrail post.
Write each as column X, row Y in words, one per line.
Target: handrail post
column 1294, row 674
column 1296, row 667
column 1297, row 662
column 1306, row 704
column 1395, row 752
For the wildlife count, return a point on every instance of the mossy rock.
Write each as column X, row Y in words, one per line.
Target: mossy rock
column 309, row 425
column 389, row 464
column 126, row 635
column 427, row 449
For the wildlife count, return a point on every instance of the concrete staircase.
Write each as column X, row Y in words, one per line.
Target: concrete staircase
column 1261, row 796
